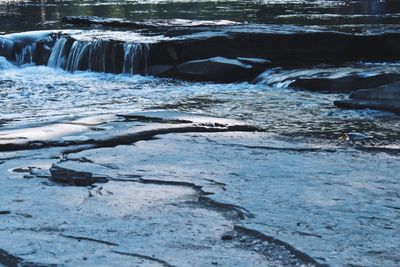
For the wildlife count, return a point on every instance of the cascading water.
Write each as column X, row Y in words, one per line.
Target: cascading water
column 57, row 57
column 76, row 56
column 281, row 78
column 99, row 56
column 25, row 55
column 14, row 51
column 135, row 55
column 5, row 64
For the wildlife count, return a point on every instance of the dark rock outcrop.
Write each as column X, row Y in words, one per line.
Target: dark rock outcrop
column 224, row 53
column 27, row 47
column 382, row 98
column 213, row 69
column 345, row 84
column 71, row 177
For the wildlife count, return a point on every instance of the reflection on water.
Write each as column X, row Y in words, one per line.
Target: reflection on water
column 45, row 14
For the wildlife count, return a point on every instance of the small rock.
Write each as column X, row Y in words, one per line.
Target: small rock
column 5, row 212
column 22, row 170
column 227, row 237
column 72, row 177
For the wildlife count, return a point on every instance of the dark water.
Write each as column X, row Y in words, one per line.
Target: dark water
column 349, row 14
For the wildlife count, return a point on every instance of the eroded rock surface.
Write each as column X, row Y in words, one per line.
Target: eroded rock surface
column 232, row 198
column 62, row 213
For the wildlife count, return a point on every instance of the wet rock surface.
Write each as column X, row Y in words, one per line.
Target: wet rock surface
column 181, row 193
column 221, row 53
column 382, row 98
column 130, row 216
column 345, row 84
column 214, row 69
column 289, row 180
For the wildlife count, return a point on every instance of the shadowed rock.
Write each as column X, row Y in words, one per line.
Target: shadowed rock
column 214, row 69
column 383, row 98
column 10, row 260
column 71, row 177
column 345, row 84
column 201, row 53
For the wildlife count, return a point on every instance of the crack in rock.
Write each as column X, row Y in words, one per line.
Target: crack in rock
column 79, row 238
column 162, row 262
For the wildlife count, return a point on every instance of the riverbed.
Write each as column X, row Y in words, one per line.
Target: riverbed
column 126, row 166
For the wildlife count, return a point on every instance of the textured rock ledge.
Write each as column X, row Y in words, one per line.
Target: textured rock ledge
column 221, row 53
column 232, row 198
column 382, row 98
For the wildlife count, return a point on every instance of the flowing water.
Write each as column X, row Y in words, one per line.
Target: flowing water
column 47, row 14
column 35, row 94
column 81, row 83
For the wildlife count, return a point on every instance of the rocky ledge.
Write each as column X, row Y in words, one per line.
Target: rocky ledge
column 383, row 98
column 207, row 51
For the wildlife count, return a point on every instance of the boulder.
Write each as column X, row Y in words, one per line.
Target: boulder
column 382, row 98
column 216, row 69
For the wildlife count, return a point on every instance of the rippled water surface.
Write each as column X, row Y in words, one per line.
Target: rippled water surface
column 344, row 200
column 46, row 14
column 39, row 94
column 33, row 94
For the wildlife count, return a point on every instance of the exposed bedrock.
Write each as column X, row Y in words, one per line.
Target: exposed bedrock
column 9, row 260
column 215, row 69
column 27, row 47
column 332, row 78
column 383, row 98
column 128, row 129
column 346, row 83
column 227, row 53
column 71, row 177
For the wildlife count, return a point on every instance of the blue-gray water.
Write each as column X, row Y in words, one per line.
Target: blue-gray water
column 338, row 204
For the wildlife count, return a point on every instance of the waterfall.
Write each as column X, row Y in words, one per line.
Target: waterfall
column 76, row 57
column 99, row 55
column 57, row 57
column 24, row 55
column 135, row 56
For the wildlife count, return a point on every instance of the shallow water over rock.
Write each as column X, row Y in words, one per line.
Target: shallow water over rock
column 198, row 133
